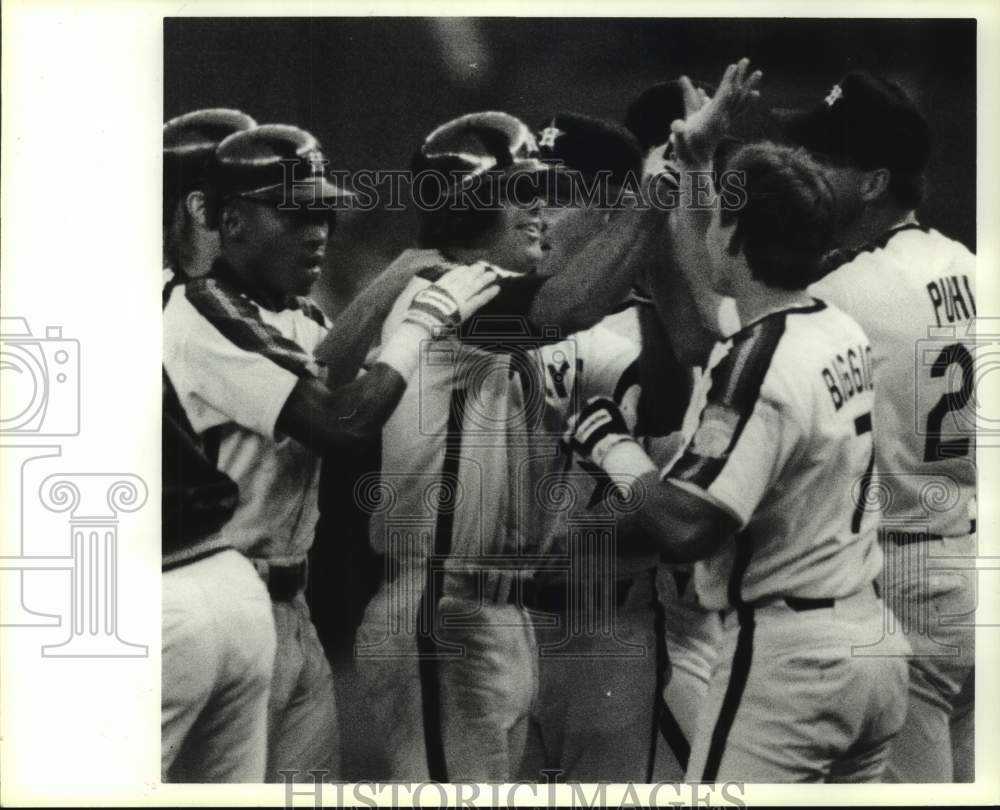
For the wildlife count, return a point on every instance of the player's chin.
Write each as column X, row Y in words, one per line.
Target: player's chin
column 534, row 254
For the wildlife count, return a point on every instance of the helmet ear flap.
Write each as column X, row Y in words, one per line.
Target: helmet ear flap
column 444, row 228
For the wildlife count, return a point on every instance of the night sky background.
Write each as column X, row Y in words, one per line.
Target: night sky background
column 371, row 88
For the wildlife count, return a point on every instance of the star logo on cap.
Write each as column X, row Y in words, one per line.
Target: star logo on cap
column 834, row 95
column 549, row 134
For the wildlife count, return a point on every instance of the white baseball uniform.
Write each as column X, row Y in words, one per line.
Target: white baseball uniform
column 914, row 293
column 460, row 464
column 234, row 362
column 790, row 698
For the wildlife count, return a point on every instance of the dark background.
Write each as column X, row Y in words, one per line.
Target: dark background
column 371, row 88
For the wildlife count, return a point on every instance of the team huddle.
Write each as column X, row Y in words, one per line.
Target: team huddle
column 651, row 492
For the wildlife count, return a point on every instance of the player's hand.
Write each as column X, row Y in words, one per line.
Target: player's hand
column 598, row 427
column 708, row 119
column 453, row 298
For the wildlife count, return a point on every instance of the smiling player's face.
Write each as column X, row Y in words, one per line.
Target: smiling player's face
column 515, row 242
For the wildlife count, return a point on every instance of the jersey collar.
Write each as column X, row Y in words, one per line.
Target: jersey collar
column 223, row 270
column 815, row 306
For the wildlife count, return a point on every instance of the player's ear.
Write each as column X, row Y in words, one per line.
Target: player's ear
column 196, row 209
column 232, row 222
column 874, row 184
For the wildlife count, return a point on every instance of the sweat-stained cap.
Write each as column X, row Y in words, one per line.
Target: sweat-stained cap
column 590, row 146
column 866, row 120
column 277, row 163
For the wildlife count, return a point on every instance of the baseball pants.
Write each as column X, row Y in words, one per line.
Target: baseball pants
column 963, row 732
column 302, row 724
column 934, row 602
column 597, row 698
column 488, row 683
column 388, row 667
column 218, row 657
column 791, row 699
column 693, row 636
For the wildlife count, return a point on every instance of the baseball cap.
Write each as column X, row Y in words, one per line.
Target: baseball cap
column 468, row 147
column 866, row 120
column 590, row 146
column 649, row 117
column 188, row 143
column 275, row 163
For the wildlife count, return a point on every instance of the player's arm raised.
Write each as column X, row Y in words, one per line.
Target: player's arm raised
column 681, row 526
column 695, row 140
column 343, row 417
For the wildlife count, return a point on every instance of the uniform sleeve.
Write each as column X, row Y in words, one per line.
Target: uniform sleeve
column 216, row 380
column 748, row 469
column 592, row 363
column 747, row 430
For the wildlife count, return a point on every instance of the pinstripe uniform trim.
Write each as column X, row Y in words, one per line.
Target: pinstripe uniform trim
column 736, row 384
column 237, row 318
column 742, row 659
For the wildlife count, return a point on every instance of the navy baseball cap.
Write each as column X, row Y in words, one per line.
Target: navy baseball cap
column 467, row 148
column 865, row 120
column 275, row 163
column 649, row 117
column 590, row 146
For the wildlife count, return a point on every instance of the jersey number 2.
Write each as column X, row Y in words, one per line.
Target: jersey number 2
column 935, row 448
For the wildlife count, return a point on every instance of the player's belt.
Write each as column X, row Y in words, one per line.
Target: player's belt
column 801, row 604
column 283, row 582
column 496, row 587
column 558, row 597
column 902, row 537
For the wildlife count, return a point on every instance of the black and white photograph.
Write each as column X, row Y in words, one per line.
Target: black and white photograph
column 553, row 402
column 544, row 379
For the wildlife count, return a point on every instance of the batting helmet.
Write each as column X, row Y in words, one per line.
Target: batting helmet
column 466, row 155
column 189, row 141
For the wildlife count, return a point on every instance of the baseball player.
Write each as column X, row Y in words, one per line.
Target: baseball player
column 218, row 634
column 911, row 288
column 238, row 349
column 761, row 499
column 674, row 380
column 457, row 470
column 189, row 245
column 600, row 662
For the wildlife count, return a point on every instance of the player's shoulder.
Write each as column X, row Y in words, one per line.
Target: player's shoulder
column 909, row 249
column 810, row 332
column 787, row 351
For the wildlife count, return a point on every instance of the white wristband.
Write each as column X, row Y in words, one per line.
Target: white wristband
column 625, row 461
column 402, row 350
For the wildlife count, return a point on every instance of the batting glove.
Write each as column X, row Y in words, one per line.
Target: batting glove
column 453, row 298
column 598, row 427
